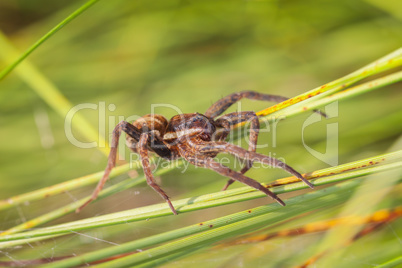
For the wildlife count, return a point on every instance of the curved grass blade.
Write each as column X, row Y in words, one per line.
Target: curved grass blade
column 72, row 16
column 348, row 93
column 388, row 62
column 391, row 263
column 53, row 97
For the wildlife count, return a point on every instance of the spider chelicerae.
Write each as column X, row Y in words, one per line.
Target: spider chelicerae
column 198, row 138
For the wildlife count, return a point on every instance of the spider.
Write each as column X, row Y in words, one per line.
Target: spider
column 198, row 138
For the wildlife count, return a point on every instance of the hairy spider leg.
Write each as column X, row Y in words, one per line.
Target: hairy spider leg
column 208, row 162
column 111, row 163
column 231, row 119
column 223, row 104
column 224, row 147
column 143, row 152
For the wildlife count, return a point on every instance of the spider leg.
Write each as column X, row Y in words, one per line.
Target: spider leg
column 209, row 163
column 224, row 147
column 143, row 151
column 111, row 163
column 223, row 104
column 231, row 119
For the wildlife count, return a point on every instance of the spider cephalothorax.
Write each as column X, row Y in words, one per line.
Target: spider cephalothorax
column 197, row 138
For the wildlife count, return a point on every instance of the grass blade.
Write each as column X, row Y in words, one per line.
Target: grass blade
column 72, row 16
column 186, row 205
column 258, row 217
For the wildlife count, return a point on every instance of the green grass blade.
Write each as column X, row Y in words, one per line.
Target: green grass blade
column 349, row 93
column 386, row 158
column 72, row 16
column 61, row 187
column 169, row 258
column 124, row 185
column 52, row 95
column 371, row 192
column 387, row 62
column 57, row 213
column 391, row 263
column 186, row 205
column 258, row 217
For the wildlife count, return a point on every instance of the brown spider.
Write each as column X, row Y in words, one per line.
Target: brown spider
column 198, row 139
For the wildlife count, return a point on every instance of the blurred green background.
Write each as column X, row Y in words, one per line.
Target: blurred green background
column 189, row 54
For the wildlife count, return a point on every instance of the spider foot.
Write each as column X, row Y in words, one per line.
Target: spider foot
column 78, row 210
column 309, row 184
column 225, row 187
column 171, row 207
column 228, row 183
column 277, row 199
